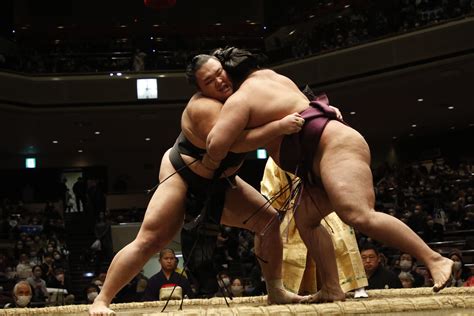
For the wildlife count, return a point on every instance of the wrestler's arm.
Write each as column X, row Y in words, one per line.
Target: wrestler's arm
column 204, row 113
column 232, row 121
column 257, row 137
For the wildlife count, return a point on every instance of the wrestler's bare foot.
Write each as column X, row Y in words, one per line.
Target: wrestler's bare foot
column 325, row 296
column 282, row 296
column 440, row 269
column 100, row 308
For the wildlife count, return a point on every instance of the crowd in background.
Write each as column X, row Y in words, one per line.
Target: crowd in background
column 363, row 23
column 432, row 197
column 320, row 28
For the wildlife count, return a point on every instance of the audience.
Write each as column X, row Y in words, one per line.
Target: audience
column 407, row 265
column 90, row 293
column 38, row 285
column 321, row 27
column 237, row 288
column 379, row 277
column 223, row 282
column 460, row 273
column 433, row 197
column 165, row 277
column 22, row 295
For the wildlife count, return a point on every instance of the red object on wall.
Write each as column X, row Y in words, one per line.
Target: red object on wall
column 159, row 4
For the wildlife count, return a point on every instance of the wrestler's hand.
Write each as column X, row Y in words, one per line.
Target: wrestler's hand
column 209, row 163
column 291, row 124
column 338, row 113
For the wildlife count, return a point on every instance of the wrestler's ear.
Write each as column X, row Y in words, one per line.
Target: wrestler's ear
column 308, row 92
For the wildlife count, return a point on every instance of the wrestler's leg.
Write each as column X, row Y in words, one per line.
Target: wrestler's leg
column 345, row 171
column 308, row 216
column 240, row 203
column 307, row 284
column 163, row 218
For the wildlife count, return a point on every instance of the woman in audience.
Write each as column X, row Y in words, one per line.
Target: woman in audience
column 461, row 273
column 38, row 285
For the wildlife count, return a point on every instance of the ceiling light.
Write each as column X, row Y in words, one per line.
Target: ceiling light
column 311, row 16
column 55, row 142
column 123, row 25
column 413, row 125
column 151, row 37
column 156, row 25
column 97, row 132
column 420, row 100
column 60, row 27
column 292, row 32
column 450, row 107
column 111, row 74
column 79, row 150
column 13, row 31
column 147, row 139
column 119, row 74
column 218, row 24
column 352, row 113
column 347, row 6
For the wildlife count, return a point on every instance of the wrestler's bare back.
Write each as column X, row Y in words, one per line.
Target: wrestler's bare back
column 269, row 96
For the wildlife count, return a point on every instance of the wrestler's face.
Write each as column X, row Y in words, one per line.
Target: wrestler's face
column 213, row 81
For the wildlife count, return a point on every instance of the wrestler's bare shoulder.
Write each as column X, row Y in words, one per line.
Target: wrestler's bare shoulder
column 268, row 79
column 199, row 103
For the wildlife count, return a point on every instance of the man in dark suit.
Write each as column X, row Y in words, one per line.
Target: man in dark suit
column 378, row 276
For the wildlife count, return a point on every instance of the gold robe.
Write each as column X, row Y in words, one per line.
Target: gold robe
column 349, row 263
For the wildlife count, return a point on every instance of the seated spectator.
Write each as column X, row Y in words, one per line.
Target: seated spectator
column 34, row 258
column 23, row 269
column 378, row 276
column 407, row 279
column 48, row 267
column 59, row 261
column 407, row 264
column 61, row 282
column 237, row 288
column 423, row 271
column 91, row 292
column 21, row 294
column 38, row 285
column 166, row 276
column 249, row 288
column 223, row 281
column 461, row 273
